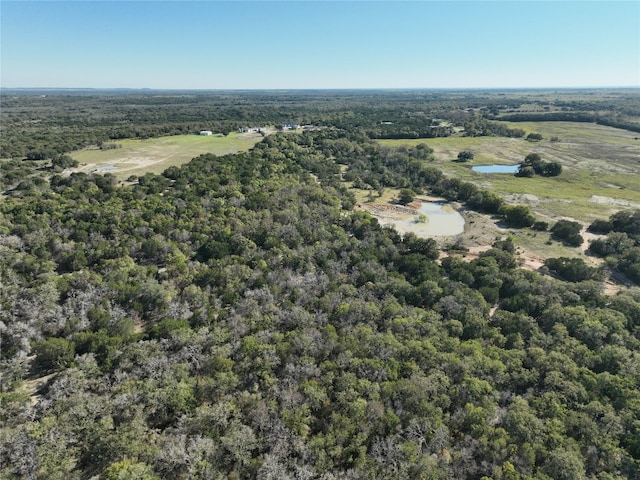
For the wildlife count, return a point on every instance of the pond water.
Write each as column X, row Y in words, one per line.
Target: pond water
column 496, row 168
column 104, row 168
column 442, row 220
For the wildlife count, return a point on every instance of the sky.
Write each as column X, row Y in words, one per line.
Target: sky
column 319, row 44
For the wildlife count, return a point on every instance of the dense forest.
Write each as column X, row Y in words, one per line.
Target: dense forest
column 236, row 317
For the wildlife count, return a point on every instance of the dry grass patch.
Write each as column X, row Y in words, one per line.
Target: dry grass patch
column 597, row 161
column 137, row 157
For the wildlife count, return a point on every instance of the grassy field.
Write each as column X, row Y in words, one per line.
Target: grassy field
column 601, row 167
column 137, row 157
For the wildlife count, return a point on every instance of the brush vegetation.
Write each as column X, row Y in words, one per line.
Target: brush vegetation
column 235, row 316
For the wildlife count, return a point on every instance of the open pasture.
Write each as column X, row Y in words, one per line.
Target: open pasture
column 137, row 157
column 601, row 167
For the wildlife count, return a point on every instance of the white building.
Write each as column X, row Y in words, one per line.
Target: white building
column 206, row 132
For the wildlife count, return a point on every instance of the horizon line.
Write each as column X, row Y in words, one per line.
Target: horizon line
column 257, row 89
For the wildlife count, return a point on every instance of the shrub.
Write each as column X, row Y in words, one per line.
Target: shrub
column 540, row 226
column 567, row 232
column 465, row 156
column 573, row 269
column 63, row 161
column 517, row 216
column 534, row 137
column 53, row 354
column 600, row 226
column 551, row 169
column 406, row 196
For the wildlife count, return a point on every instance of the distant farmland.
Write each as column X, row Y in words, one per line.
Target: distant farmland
column 137, row 157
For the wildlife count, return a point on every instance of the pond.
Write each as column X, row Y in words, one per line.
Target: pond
column 104, row 168
column 432, row 219
column 496, row 168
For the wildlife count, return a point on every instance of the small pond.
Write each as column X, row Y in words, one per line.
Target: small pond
column 105, row 168
column 442, row 220
column 496, row 168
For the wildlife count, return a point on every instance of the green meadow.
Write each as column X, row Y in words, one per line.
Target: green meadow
column 599, row 176
column 137, row 157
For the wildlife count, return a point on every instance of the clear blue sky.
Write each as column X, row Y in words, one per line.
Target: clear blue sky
column 319, row 44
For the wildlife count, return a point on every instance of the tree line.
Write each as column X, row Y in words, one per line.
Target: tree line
column 34, row 125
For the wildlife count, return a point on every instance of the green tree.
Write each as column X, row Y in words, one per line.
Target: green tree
column 568, row 232
column 129, row 470
column 406, row 196
column 573, row 269
column 517, row 216
column 54, row 354
column 562, row 464
column 63, row 161
column 465, row 156
column 552, row 169
column 525, row 171
column 540, row 226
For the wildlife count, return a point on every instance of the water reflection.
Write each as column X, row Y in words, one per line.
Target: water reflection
column 442, row 220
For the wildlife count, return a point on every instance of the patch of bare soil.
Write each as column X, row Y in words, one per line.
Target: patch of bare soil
column 616, row 202
column 390, row 211
column 479, row 230
column 531, row 262
column 32, row 385
column 121, row 165
column 522, row 199
column 611, row 288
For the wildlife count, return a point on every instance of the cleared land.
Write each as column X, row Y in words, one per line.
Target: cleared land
column 600, row 167
column 600, row 176
column 137, row 157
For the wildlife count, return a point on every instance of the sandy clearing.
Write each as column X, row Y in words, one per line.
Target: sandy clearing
column 522, row 199
column 31, row 386
column 614, row 202
column 121, row 165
